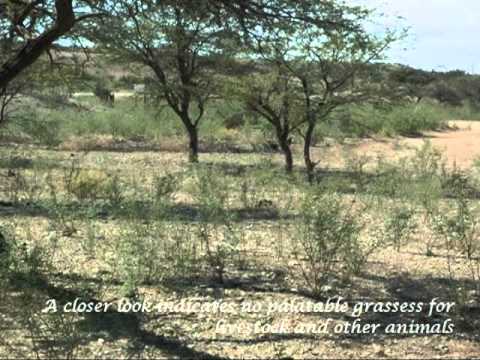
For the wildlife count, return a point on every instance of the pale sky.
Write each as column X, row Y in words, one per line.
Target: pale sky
column 444, row 34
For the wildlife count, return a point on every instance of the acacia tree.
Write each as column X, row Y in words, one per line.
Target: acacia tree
column 274, row 90
column 315, row 68
column 184, row 43
column 28, row 29
column 331, row 68
column 333, row 74
column 270, row 95
column 179, row 43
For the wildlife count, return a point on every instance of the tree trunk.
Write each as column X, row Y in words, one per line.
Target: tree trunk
column 285, row 146
column 282, row 139
column 3, row 245
column 34, row 48
column 288, row 160
column 2, row 114
column 309, row 164
column 193, row 144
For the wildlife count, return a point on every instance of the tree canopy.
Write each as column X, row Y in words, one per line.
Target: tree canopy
column 29, row 28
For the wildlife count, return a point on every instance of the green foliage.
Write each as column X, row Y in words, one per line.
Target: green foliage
column 155, row 252
column 39, row 127
column 399, row 225
column 113, row 190
column 23, row 183
column 221, row 242
column 98, row 126
column 446, row 94
column 5, row 252
column 327, row 236
column 164, row 188
column 416, row 178
column 139, row 257
column 212, row 195
column 22, row 261
column 218, row 235
column 90, row 241
column 461, row 229
column 364, row 120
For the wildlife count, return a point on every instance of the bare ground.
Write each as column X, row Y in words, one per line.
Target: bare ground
column 459, row 145
column 409, row 275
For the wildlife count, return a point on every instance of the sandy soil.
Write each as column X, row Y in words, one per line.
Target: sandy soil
column 459, row 145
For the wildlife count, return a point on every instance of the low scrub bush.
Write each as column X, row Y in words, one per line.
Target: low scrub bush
column 164, row 189
column 328, row 241
column 399, row 225
column 153, row 252
column 219, row 237
column 36, row 126
column 364, row 120
column 22, row 181
column 460, row 229
column 139, row 256
column 22, row 261
column 114, row 191
column 88, row 184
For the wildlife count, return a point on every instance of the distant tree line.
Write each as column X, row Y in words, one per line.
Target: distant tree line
column 452, row 88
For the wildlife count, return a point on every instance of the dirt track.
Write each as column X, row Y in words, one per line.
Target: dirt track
column 460, row 145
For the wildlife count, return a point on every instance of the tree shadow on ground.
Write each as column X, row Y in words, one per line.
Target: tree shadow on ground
column 141, row 144
column 405, row 289
column 115, row 325
column 387, row 184
column 22, row 163
column 141, row 210
column 240, row 170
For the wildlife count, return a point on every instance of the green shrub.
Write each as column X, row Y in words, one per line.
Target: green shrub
column 216, row 231
column 461, row 232
column 461, row 229
column 40, row 128
column 399, row 225
column 364, row 120
column 21, row 261
column 164, row 188
column 153, row 252
column 139, row 256
column 113, row 190
column 328, row 240
column 5, row 252
column 212, row 194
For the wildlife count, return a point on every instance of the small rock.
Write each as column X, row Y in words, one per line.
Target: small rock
column 473, row 304
column 473, row 294
column 326, row 288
